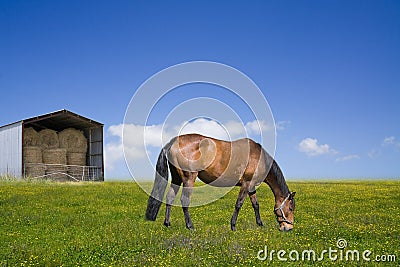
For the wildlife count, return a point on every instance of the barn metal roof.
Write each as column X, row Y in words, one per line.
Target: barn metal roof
column 60, row 120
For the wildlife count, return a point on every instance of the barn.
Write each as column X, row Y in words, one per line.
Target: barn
column 61, row 146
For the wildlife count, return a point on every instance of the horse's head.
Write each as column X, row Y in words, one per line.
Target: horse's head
column 285, row 213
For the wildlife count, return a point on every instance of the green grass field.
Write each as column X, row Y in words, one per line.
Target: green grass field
column 103, row 224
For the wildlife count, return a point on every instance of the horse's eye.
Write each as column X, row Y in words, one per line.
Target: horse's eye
column 290, row 208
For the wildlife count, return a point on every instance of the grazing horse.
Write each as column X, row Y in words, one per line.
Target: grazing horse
column 219, row 163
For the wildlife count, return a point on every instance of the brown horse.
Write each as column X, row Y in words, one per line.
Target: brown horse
column 219, row 163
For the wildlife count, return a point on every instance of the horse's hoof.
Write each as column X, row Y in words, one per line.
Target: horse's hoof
column 190, row 226
column 233, row 227
column 260, row 224
column 167, row 224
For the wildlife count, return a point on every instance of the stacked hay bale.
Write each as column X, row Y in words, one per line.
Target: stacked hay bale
column 31, row 137
column 33, row 161
column 56, row 160
column 48, row 153
column 48, row 139
column 55, row 157
column 73, row 140
column 32, row 154
column 75, row 143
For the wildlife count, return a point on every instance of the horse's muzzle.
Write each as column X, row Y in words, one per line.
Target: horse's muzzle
column 285, row 227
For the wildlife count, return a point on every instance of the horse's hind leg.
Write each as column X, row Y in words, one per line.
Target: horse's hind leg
column 256, row 207
column 173, row 191
column 239, row 202
column 187, row 190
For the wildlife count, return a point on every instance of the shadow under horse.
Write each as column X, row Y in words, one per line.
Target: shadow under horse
column 219, row 163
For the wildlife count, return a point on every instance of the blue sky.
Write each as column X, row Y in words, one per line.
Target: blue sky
column 330, row 70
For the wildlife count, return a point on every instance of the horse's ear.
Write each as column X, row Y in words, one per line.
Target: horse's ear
column 292, row 194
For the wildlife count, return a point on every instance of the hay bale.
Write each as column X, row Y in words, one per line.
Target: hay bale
column 32, row 154
column 76, row 172
column 76, row 161
column 55, row 156
column 73, row 140
column 35, row 170
column 57, row 172
column 48, row 139
column 76, row 158
column 31, row 137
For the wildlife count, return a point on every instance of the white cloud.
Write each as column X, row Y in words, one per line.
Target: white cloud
column 135, row 137
column 235, row 129
column 373, row 153
column 228, row 131
column 311, row 147
column 154, row 136
column 205, row 127
column 113, row 154
column 386, row 145
column 389, row 141
column 257, row 127
column 348, row 157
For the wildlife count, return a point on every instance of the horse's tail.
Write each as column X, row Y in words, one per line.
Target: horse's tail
column 160, row 184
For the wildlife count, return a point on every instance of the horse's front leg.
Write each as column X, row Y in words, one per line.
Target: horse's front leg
column 239, row 202
column 256, row 207
column 185, row 198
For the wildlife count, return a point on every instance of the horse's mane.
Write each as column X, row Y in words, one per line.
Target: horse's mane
column 280, row 179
